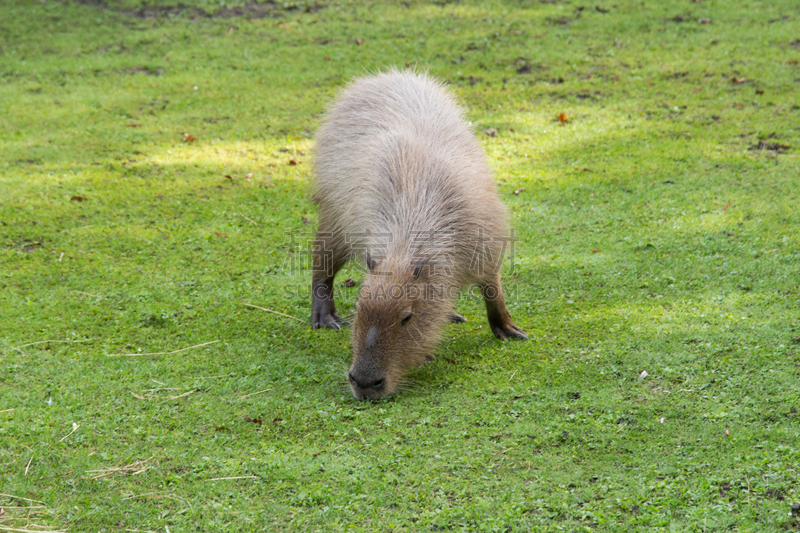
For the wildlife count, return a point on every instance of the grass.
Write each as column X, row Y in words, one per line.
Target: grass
column 658, row 232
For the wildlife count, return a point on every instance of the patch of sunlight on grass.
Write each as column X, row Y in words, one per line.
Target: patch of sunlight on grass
column 256, row 157
column 540, row 141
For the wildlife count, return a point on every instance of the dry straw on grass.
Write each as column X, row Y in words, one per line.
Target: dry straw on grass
column 24, row 518
column 275, row 312
column 161, row 353
column 135, row 468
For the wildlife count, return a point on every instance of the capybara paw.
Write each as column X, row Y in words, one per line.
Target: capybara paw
column 331, row 320
column 455, row 318
column 509, row 331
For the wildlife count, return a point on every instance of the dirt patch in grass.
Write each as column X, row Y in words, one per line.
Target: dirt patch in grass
column 771, row 146
column 142, row 70
column 250, row 10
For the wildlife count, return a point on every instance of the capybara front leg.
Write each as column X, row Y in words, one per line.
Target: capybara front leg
column 327, row 262
column 499, row 319
column 323, row 309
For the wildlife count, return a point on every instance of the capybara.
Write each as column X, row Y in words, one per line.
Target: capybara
column 402, row 183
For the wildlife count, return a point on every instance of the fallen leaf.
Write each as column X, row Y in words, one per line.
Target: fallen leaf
column 294, row 161
column 726, row 207
column 220, row 234
column 248, row 176
column 759, row 91
column 305, row 220
column 327, row 58
column 491, row 132
column 408, row 63
column 562, row 117
column 737, row 80
column 133, row 126
column 221, row 428
column 78, row 199
column 229, row 177
column 277, row 419
column 524, row 69
column 253, row 420
column 519, row 191
column 188, row 137
column 595, row 250
column 793, row 62
column 727, row 433
column 349, row 282
column 359, row 41
column 704, row 21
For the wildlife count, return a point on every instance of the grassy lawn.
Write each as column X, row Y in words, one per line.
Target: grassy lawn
column 155, row 185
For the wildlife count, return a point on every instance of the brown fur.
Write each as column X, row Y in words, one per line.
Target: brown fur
column 402, row 182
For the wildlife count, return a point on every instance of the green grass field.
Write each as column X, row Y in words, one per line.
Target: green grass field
column 148, row 199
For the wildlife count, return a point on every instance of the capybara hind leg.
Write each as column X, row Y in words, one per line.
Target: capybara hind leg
column 499, row 319
column 328, row 259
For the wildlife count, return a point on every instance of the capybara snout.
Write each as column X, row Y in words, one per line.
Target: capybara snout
column 392, row 333
column 365, row 384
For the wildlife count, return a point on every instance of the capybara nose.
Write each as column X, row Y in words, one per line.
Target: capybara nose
column 366, row 383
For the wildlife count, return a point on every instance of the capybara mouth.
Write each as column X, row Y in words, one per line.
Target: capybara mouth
column 374, row 391
column 370, row 394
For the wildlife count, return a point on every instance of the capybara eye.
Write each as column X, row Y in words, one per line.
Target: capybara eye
column 406, row 319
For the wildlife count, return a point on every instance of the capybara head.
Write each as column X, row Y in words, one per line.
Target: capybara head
column 398, row 323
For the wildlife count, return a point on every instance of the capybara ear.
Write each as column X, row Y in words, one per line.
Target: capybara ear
column 371, row 263
column 418, row 268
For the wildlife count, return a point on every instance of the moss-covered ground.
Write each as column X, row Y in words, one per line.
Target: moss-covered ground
column 147, row 194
